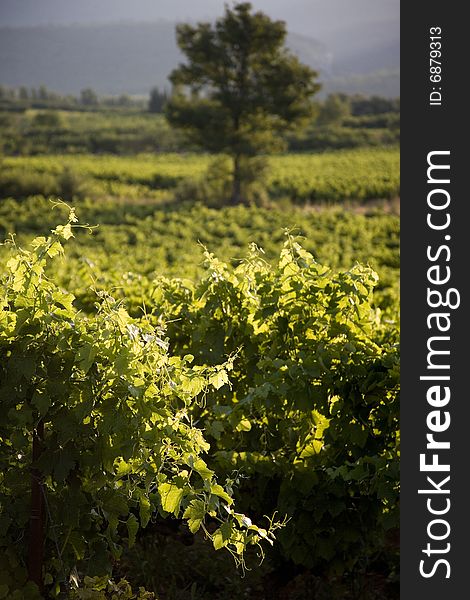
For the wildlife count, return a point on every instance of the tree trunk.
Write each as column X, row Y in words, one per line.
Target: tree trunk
column 236, row 181
column 36, row 532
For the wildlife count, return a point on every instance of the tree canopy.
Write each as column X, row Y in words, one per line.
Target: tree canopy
column 240, row 87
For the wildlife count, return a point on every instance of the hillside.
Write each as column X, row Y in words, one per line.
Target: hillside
column 131, row 57
column 111, row 58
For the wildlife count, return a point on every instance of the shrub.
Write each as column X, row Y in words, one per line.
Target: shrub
column 312, row 414
column 18, row 183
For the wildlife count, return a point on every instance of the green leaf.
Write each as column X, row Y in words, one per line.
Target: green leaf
column 357, row 474
column 215, row 429
column 86, row 356
column 386, row 491
column 116, row 504
column 219, row 491
column 41, row 401
column 192, row 386
column 54, row 249
column 64, row 231
column 195, row 514
column 144, row 510
column 218, row 540
column 243, row 425
column 78, row 544
column 201, row 467
column 132, row 528
column 219, row 379
column 12, row 264
column 358, row 435
column 313, row 447
column 123, row 468
column 171, row 496
column 27, row 366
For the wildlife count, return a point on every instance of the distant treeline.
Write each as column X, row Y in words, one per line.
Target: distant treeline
column 343, row 121
column 335, row 105
column 40, row 121
column 23, row 97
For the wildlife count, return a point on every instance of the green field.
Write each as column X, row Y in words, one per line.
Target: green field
column 363, row 174
column 37, row 132
column 127, row 131
column 148, row 241
column 302, row 422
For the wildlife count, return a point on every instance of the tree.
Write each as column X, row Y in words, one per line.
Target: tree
column 43, row 93
column 157, row 100
column 23, row 93
column 88, row 97
column 240, row 89
column 124, row 100
column 334, row 109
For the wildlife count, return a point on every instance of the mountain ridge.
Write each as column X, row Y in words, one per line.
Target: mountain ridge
column 133, row 56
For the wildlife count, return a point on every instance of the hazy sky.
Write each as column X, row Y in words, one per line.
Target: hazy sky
column 357, row 37
column 310, row 17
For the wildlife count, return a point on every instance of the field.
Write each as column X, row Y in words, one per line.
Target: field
column 185, row 357
column 149, row 241
column 35, row 131
column 151, row 259
column 363, row 174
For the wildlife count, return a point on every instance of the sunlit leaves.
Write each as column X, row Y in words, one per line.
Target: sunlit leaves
column 218, row 490
column 119, row 444
column 282, row 373
column 195, row 513
column 171, row 496
column 145, row 511
column 313, row 396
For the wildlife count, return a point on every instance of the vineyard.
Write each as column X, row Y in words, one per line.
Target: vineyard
column 199, row 312
column 361, row 174
column 199, row 334
column 171, row 242
column 256, row 350
column 127, row 131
